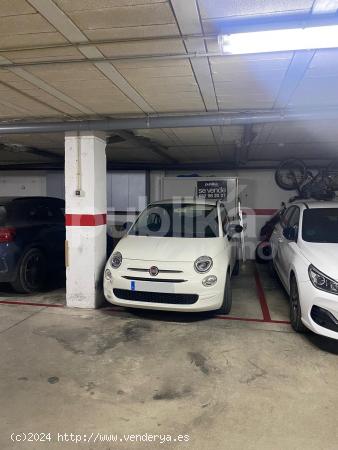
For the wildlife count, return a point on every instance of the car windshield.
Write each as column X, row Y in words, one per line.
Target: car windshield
column 320, row 225
column 188, row 220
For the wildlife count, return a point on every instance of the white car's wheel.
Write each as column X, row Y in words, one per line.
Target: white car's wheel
column 272, row 270
column 295, row 308
column 227, row 298
column 236, row 269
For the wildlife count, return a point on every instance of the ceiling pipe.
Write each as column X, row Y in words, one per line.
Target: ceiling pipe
column 146, row 57
column 193, row 167
column 172, row 121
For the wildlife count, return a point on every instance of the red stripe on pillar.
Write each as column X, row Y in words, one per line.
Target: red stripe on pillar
column 85, row 220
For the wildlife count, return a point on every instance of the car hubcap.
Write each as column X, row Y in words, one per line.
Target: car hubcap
column 33, row 271
column 294, row 304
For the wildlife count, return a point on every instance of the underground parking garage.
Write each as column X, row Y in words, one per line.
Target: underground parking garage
column 168, row 224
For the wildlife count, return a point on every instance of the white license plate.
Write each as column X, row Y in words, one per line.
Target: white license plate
column 149, row 286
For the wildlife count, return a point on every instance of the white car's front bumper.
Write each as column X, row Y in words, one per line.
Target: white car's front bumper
column 310, row 298
column 208, row 298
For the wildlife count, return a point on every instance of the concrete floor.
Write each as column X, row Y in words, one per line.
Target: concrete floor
column 226, row 383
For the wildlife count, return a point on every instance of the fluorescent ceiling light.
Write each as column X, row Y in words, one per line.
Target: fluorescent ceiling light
column 280, row 40
column 325, row 6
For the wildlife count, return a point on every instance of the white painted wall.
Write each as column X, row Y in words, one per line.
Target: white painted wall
column 257, row 190
column 258, row 187
column 12, row 184
column 126, row 191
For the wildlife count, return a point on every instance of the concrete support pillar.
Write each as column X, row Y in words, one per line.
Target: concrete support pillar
column 86, row 217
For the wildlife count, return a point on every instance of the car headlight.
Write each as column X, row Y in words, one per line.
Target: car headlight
column 209, row 281
column 107, row 275
column 116, row 260
column 203, row 264
column 322, row 282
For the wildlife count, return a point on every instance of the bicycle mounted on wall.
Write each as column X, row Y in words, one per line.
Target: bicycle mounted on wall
column 321, row 184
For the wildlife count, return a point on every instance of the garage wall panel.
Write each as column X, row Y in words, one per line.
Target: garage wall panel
column 56, row 185
column 21, row 185
column 258, row 192
column 119, row 192
column 125, row 190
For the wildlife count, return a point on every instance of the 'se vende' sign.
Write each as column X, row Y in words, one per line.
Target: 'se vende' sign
column 212, row 190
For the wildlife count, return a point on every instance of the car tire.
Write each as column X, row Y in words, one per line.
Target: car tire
column 295, row 308
column 235, row 270
column 227, row 297
column 31, row 273
column 263, row 253
column 272, row 270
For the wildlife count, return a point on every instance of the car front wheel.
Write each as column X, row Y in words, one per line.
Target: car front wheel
column 236, row 269
column 31, row 273
column 295, row 308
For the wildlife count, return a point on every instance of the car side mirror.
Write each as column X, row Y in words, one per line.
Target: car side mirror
column 234, row 229
column 238, row 229
column 290, row 233
column 126, row 226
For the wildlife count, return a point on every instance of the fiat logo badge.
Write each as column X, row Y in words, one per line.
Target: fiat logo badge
column 153, row 271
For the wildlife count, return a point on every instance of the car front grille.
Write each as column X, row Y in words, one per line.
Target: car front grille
column 156, row 297
column 138, row 269
column 156, row 280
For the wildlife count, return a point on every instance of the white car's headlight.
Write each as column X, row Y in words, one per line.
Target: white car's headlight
column 209, row 281
column 116, row 260
column 107, row 275
column 203, row 264
column 322, row 282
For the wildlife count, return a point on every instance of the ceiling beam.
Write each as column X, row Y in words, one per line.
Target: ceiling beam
column 15, row 148
column 323, row 13
column 50, row 11
column 243, row 148
column 146, row 143
column 297, row 68
column 30, row 97
column 39, row 83
column 189, row 22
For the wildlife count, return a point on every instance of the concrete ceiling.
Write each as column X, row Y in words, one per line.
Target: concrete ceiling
column 38, row 37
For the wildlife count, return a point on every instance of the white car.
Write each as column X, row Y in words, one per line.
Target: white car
column 305, row 256
column 176, row 257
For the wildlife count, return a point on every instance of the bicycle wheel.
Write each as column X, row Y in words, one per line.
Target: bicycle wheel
column 291, row 174
column 331, row 175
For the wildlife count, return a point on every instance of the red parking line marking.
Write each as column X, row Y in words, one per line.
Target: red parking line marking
column 51, row 305
column 260, row 292
column 283, row 322
column 241, row 319
column 261, row 297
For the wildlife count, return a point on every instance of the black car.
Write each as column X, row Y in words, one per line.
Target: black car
column 32, row 241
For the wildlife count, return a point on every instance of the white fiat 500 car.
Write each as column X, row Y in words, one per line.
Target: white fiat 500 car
column 305, row 256
column 177, row 257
